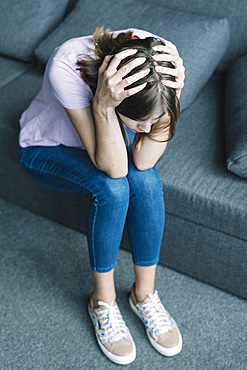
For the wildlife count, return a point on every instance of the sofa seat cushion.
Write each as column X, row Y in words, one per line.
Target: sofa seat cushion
column 11, row 69
column 23, row 24
column 197, row 185
column 201, row 41
column 236, row 117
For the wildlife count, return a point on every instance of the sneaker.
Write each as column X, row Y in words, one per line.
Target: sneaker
column 161, row 329
column 112, row 334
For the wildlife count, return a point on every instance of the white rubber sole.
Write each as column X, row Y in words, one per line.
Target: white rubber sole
column 164, row 351
column 120, row 360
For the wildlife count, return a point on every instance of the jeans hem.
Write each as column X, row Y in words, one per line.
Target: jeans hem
column 143, row 263
column 103, row 269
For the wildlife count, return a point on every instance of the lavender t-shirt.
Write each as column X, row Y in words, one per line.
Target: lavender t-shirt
column 46, row 122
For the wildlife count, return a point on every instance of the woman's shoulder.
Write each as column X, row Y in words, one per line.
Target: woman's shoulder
column 70, row 49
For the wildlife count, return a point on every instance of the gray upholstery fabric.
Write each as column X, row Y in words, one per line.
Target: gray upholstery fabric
column 45, row 285
column 22, row 90
column 197, row 184
column 234, row 10
column 206, row 254
column 10, row 69
column 16, row 185
column 23, row 24
column 201, row 41
column 236, row 118
column 205, row 233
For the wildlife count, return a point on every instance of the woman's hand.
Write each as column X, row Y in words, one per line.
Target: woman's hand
column 171, row 55
column 110, row 90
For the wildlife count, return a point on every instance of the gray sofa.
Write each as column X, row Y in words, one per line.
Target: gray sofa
column 204, row 168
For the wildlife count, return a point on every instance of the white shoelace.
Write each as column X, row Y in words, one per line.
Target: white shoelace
column 158, row 318
column 112, row 321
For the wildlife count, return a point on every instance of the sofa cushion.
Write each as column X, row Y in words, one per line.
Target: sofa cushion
column 201, row 41
column 197, row 185
column 234, row 10
column 10, row 69
column 205, row 232
column 236, row 118
column 23, row 24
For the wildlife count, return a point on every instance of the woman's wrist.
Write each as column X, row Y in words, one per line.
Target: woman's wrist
column 102, row 109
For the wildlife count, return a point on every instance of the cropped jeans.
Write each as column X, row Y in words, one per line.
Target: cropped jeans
column 138, row 196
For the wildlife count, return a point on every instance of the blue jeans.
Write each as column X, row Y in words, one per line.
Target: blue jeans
column 138, row 196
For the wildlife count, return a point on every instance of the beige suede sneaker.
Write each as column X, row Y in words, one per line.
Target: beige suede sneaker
column 112, row 334
column 161, row 329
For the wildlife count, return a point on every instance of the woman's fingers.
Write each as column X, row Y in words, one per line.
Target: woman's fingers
column 165, row 49
column 115, row 77
column 178, row 85
column 134, row 90
column 112, row 68
column 105, row 63
column 135, row 77
column 176, row 60
column 123, row 71
column 168, row 71
column 170, row 55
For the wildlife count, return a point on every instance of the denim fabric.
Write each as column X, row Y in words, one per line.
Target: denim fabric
column 138, row 196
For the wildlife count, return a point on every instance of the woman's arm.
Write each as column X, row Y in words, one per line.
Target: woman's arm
column 98, row 126
column 101, row 135
column 149, row 153
column 110, row 149
column 171, row 55
column 150, row 150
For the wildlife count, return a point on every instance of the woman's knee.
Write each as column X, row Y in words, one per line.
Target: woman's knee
column 114, row 191
column 145, row 181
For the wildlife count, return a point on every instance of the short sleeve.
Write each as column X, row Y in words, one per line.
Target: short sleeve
column 68, row 87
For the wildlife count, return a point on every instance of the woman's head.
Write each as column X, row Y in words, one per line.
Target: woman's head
column 154, row 100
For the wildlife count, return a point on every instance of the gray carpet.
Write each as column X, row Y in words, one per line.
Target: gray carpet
column 45, row 280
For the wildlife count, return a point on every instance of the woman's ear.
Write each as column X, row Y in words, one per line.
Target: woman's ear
column 135, row 37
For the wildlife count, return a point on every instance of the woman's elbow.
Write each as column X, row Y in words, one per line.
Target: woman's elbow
column 142, row 166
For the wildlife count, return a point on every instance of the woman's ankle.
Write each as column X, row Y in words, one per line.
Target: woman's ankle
column 140, row 295
column 144, row 281
column 102, row 297
column 104, row 287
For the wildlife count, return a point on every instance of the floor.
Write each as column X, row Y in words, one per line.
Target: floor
column 45, row 280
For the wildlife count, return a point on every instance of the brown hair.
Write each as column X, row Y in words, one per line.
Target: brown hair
column 154, row 95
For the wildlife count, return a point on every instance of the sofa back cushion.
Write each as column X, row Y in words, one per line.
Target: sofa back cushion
column 235, row 11
column 23, row 24
column 201, row 41
column 236, row 118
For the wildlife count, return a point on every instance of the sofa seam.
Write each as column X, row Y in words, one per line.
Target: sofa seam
column 207, row 227
column 9, row 82
column 232, row 161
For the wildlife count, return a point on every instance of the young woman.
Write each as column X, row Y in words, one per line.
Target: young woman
column 106, row 109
